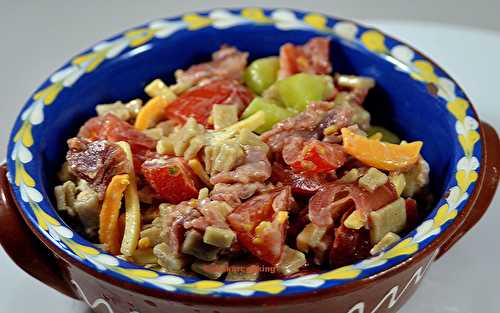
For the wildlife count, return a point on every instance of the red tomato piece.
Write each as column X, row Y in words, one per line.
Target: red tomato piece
column 141, row 155
column 313, row 58
column 110, row 127
column 171, row 178
column 302, row 184
column 320, row 157
column 313, row 156
column 260, row 227
column 199, row 101
column 331, row 201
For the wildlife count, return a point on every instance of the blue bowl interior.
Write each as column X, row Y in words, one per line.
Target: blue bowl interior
column 399, row 102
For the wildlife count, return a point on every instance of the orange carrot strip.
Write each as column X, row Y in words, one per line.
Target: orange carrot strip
column 108, row 218
column 382, row 155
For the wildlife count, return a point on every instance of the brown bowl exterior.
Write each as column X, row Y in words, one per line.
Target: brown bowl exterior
column 383, row 292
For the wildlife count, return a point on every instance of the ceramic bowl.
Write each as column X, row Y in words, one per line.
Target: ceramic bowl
column 414, row 97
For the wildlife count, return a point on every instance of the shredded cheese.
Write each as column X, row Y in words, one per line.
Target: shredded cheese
column 132, row 208
column 251, row 123
column 108, row 218
column 198, row 169
column 151, row 113
column 157, row 88
column 144, row 243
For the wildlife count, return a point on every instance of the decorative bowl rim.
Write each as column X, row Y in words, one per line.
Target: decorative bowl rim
column 43, row 219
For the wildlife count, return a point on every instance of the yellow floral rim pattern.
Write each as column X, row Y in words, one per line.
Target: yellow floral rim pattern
column 403, row 57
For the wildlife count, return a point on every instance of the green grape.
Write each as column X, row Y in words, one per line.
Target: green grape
column 273, row 113
column 298, row 90
column 261, row 74
column 387, row 135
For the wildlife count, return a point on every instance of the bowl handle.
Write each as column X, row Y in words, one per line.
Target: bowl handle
column 487, row 185
column 22, row 245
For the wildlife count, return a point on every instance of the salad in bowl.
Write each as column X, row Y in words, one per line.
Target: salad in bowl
column 270, row 164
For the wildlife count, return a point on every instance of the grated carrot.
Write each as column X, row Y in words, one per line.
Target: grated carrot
column 381, row 155
column 108, row 218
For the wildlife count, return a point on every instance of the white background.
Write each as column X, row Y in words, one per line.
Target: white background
column 462, row 36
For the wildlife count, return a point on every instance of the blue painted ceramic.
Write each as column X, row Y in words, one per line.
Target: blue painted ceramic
column 413, row 97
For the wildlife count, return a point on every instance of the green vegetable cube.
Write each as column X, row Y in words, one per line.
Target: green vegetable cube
column 291, row 261
column 273, row 113
column 385, row 242
column 399, row 182
column 167, row 258
column 219, row 237
column 298, row 90
column 224, row 115
column 390, row 218
column 261, row 74
column 372, row 179
column 243, row 270
column 193, row 245
column 212, row 270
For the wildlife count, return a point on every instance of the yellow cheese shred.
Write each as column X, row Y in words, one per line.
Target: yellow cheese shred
column 151, row 113
column 132, row 208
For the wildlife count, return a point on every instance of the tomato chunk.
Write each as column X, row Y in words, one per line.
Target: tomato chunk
column 171, row 179
column 199, row 101
column 382, row 155
column 313, row 156
column 313, row 58
column 110, row 127
column 260, row 224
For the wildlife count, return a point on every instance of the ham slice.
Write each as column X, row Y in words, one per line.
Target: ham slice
column 96, row 162
column 227, row 63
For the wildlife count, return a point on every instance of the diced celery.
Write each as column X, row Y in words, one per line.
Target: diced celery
column 219, row 237
column 399, row 182
column 212, row 270
column 355, row 220
column 298, row 90
column 291, row 261
column 243, row 270
column 193, row 245
column 144, row 256
column 351, row 176
column 167, row 258
column 390, row 218
column 273, row 113
column 154, row 235
column 387, row 135
column 385, row 242
column 372, row 179
column 310, row 237
column 224, row 115
column 261, row 74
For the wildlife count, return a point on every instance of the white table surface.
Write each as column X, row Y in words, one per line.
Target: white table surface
column 465, row 280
